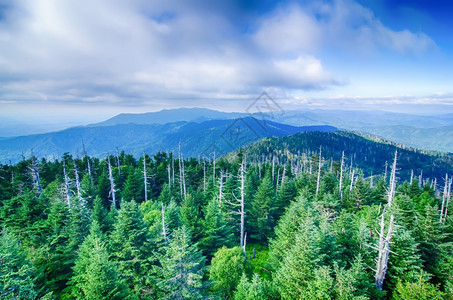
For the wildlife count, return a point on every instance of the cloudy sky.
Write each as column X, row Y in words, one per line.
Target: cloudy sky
column 78, row 59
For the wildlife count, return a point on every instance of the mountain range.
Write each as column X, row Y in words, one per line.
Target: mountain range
column 428, row 132
column 194, row 139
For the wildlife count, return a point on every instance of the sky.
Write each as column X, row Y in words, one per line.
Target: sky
column 82, row 61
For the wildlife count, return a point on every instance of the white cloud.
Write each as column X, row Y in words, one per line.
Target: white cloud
column 136, row 51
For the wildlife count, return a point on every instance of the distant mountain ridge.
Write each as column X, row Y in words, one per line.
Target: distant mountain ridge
column 170, row 116
column 205, row 138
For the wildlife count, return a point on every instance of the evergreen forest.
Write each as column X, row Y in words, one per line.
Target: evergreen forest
column 250, row 225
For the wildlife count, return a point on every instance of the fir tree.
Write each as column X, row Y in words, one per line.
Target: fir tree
column 181, row 269
column 95, row 275
column 17, row 274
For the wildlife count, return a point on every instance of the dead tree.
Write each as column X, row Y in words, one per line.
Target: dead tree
column 412, row 177
column 112, row 183
column 222, row 175
column 35, row 175
column 145, row 177
column 384, row 240
column 352, row 180
column 77, row 180
column 66, row 187
column 318, row 181
column 204, row 175
column 341, row 175
column 239, row 203
column 447, row 199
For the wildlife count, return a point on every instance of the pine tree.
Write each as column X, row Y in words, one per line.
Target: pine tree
column 190, row 215
column 260, row 219
column 130, row 246
column 181, row 268
column 215, row 230
column 95, row 275
column 17, row 274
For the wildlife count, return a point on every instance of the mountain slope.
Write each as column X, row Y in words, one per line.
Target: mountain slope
column 220, row 136
column 369, row 155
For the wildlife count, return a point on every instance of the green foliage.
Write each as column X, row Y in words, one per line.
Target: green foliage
column 215, row 229
column 181, row 268
column 17, row 274
column 419, row 289
column 260, row 219
column 255, row 289
column 95, row 275
column 130, row 247
column 227, row 267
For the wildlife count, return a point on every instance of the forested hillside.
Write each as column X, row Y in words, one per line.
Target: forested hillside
column 370, row 154
column 253, row 225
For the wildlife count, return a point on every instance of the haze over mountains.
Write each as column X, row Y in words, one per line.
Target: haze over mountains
column 202, row 131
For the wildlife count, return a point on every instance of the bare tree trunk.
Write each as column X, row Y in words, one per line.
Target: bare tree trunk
column 35, row 176
column 76, row 175
column 172, row 169
column 352, row 180
column 341, row 175
column 242, row 174
column 66, row 187
column 391, row 192
column 444, row 197
column 371, row 180
column 384, row 251
column 412, row 177
column 283, row 176
column 273, row 169
column 183, row 177
column 448, row 198
column 278, row 179
column 384, row 243
column 145, row 177
column 221, row 187
column 180, row 170
column 385, row 173
column 420, row 180
column 112, row 183
column 318, row 181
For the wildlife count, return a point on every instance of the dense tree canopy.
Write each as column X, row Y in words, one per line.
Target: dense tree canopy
column 174, row 232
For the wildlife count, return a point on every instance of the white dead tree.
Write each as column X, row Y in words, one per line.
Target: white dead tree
column 446, row 199
column 34, row 170
column 273, row 169
column 384, row 239
column 222, row 175
column 145, row 177
column 204, row 175
column 341, row 175
column 318, row 181
column 66, row 187
column 352, row 180
column 412, row 177
column 239, row 203
column 112, row 183
column 182, row 179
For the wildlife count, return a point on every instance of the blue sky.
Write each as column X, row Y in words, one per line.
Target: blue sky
column 80, row 60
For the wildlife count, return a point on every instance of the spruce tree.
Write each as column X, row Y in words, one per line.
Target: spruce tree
column 95, row 275
column 17, row 273
column 181, row 269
